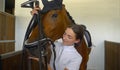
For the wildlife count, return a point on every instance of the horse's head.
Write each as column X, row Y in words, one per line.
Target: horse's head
column 54, row 23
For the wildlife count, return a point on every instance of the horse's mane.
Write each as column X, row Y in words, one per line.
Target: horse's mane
column 87, row 34
column 68, row 14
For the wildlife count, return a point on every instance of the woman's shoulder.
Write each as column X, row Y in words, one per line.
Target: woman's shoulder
column 59, row 40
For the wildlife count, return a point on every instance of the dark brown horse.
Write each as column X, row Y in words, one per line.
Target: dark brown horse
column 54, row 24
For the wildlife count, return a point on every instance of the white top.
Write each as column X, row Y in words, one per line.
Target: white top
column 66, row 57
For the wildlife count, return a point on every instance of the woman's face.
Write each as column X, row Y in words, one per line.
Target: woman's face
column 69, row 37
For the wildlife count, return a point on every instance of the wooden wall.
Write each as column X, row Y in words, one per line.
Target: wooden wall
column 7, row 32
column 112, row 55
column 9, row 58
column 14, row 61
column 10, row 61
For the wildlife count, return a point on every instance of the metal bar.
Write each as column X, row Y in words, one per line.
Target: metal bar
column 6, row 41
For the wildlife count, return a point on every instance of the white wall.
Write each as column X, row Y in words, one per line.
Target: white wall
column 2, row 5
column 102, row 18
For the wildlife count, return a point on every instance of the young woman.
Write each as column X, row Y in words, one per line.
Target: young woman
column 67, row 57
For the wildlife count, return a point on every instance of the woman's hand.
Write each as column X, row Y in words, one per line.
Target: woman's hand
column 65, row 69
column 49, row 68
column 34, row 58
column 37, row 59
column 35, row 10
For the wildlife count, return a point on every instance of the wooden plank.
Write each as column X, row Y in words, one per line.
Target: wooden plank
column 112, row 55
column 7, row 32
column 7, row 47
column 10, row 27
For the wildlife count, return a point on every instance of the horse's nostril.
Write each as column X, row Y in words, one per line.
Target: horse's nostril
column 54, row 15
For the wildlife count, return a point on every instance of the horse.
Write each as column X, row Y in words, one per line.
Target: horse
column 54, row 23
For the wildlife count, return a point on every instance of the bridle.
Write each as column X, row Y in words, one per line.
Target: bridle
column 42, row 42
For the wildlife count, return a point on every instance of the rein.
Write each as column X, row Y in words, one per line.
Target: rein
column 41, row 44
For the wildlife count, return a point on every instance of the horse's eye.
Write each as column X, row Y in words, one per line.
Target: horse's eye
column 54, row 15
